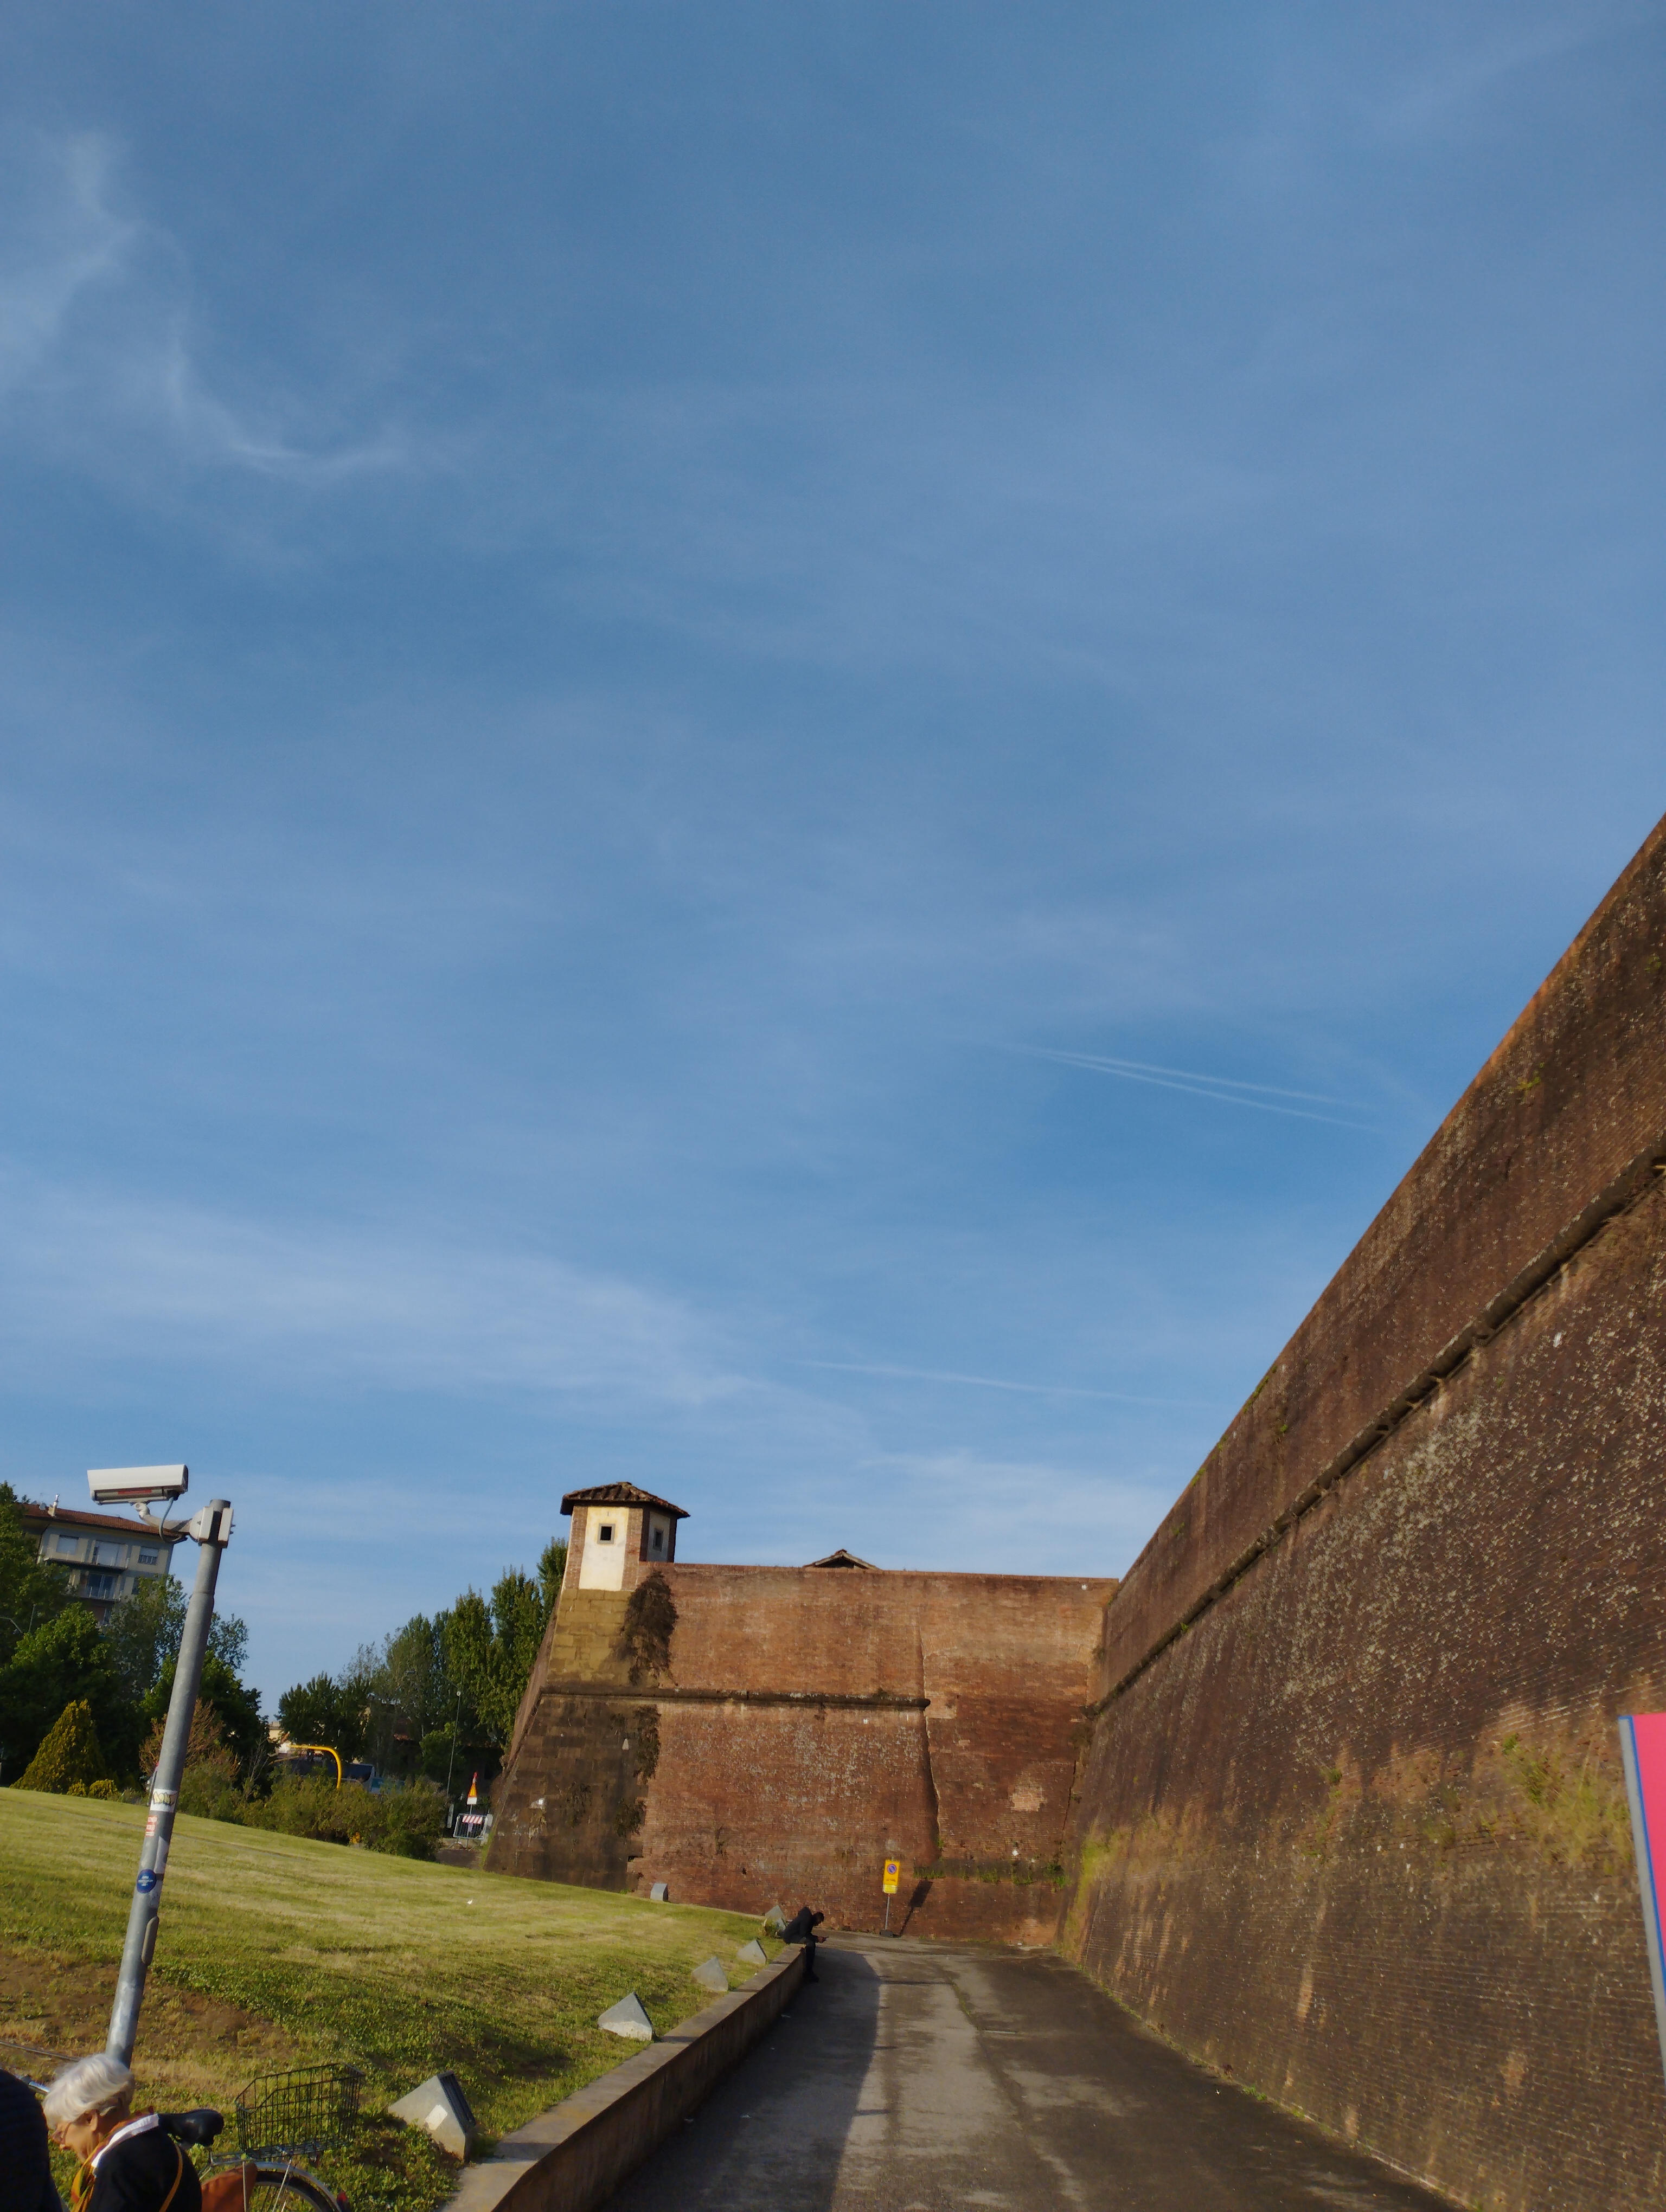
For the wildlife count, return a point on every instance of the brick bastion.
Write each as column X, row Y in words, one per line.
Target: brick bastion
column 759, row 1735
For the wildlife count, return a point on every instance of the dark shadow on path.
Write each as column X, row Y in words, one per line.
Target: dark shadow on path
column 992, row 2078
column 770, row 2137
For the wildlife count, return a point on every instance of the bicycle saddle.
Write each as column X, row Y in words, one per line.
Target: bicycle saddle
column 199, row 2127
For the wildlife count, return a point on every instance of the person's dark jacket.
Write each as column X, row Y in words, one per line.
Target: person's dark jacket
column 801, row 1928
column 136, row 2173
column 26, row 2169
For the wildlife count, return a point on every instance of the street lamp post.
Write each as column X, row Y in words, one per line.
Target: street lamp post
column 457, row 1723
column 211, row 1529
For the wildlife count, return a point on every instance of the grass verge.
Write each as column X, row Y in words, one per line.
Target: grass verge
column 275, row 1951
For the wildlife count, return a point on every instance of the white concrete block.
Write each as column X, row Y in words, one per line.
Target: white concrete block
column 439, row 2107
column 753, row 1953
column 711, row 1976
column 628, row 2018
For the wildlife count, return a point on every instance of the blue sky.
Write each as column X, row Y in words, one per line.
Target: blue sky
column 659, row 664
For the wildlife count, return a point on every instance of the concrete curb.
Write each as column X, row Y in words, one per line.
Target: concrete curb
column 573, row 2157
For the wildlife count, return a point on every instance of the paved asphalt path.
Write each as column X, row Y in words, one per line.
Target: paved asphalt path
column 920, row 2077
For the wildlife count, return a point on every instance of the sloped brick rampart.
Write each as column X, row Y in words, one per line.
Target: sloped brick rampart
column 811, row 1723
column 1351, row 1823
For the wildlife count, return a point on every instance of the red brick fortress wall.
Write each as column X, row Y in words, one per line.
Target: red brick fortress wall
column 1351, row 1823
column 808, row 1724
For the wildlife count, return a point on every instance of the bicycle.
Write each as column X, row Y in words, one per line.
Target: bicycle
column 271, row 2180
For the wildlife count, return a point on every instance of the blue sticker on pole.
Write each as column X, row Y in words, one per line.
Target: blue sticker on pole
column 146, row 1882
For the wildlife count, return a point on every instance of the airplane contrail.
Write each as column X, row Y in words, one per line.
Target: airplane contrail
column 1227, row 1090
column 994, row 1382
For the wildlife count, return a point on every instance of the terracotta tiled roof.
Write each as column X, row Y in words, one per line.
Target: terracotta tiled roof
column 842, row 1558
column 76, row 1517
column 621, row 1493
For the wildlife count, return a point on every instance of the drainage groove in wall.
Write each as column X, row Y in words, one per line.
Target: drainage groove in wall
column 634, row 1693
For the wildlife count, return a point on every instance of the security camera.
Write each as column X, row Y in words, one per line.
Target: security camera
column 133, row 1485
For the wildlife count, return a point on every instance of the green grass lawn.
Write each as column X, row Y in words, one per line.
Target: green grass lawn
column 274, row 1951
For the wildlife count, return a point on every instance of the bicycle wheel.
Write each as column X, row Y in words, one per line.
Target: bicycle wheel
column 287, row 2188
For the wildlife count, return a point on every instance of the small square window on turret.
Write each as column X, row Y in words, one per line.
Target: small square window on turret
column 605, row 1533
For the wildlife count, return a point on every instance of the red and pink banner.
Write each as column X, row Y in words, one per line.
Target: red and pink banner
column 1643, row 1750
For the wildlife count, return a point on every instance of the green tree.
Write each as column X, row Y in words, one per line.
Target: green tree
column 145, row 1631
column 63, row 1662
column 443, row 1751
column 31, row 1592
column 518, row 1618
column 551, row 1567
column 324, row 1710
column 235, row 1707
column 440, row 1692
column 490, row 1648
column 471, row 1658
column 408, row 1692
column 228, row 1640
column 413, row 1674
column 69, row 1755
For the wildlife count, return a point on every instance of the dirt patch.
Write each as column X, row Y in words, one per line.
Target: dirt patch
column 191, row 2049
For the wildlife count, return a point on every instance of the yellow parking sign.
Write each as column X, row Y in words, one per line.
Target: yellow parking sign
column 893, row 1875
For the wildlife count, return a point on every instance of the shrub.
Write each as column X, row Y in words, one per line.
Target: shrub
column 211, row 1795
column 66, row 1661
column 68, row 1758
column 208, row 1784
column 413, row 1821
column 234, row 1705
column 304, row 1804
column 406, row 1823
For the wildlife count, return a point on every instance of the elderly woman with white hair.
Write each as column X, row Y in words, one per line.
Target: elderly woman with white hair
column 127, row 2165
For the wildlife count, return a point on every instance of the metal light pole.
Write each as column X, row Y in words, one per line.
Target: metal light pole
column 456, row 1723
column 211, row 1531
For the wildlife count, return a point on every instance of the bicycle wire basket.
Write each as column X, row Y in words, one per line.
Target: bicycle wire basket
column 302, row 2111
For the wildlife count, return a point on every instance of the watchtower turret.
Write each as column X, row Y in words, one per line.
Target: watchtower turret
column 620, row 1534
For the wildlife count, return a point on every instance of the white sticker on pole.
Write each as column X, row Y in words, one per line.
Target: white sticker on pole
column 163, row 1800
column 1643, row 1753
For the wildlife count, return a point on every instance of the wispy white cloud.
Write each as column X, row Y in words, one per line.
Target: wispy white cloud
column 98, row 337
column 91, row 1276
column 1447, row 88
column 964, row 1511
column 61, row 238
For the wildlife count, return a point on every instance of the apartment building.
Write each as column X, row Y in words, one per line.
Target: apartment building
column 106, row 1554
